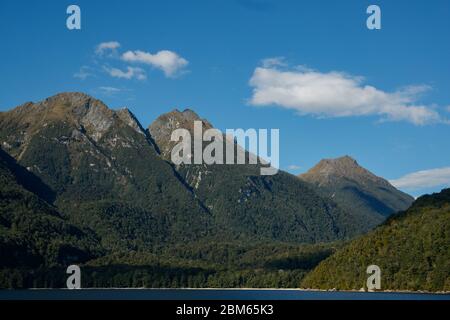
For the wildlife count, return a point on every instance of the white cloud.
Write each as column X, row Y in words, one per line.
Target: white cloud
column 169, row 62
column 448, row 108
column 104, row 47
column 273, row 62
column 83, row 73
column 109, row 90
column 424, row 179
column 294, row 167
column 130, row 73
column 335, row 94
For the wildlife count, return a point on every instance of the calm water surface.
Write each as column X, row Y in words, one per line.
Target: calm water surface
column 208, row 294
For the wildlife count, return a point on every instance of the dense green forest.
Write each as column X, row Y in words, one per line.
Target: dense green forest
column 194, row 266
column 412, row 249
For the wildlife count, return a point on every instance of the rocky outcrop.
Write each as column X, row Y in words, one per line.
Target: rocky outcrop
column 130, row 119
column 161, row 129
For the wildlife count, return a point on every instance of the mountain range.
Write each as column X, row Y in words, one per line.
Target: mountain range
column 87, row 184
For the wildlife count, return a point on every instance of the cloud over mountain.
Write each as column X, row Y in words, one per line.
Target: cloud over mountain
column 106, row 46
column 424, row 179
column 167, row 61
column 106, row 53
column 130, row 73
column 335, row 94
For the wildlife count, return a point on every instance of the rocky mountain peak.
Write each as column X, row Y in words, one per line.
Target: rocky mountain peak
column 161, row 129
column 342, row 167
column 67, row 106
column 187, row 114
column 73, row 98
column 180, row 119
column 74, row 112
column 91, row 113
column 130, row 119
column 72, row 104
column 353, row 186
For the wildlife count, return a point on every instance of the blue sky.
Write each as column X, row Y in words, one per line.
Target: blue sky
column 255, row 64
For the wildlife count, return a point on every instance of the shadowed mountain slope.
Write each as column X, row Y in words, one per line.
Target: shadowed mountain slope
column 355, row 188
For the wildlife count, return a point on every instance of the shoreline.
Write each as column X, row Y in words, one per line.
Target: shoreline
column 240, row 289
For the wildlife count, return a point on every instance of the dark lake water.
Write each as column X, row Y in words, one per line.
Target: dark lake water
column 208, row 294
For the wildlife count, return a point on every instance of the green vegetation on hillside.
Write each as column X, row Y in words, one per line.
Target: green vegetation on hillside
column 119, row 245
column 201, row 265
column 411, row 248
column 32, row 232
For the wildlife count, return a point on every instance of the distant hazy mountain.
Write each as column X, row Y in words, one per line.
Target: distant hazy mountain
column 357, row 189
column 412, row 249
